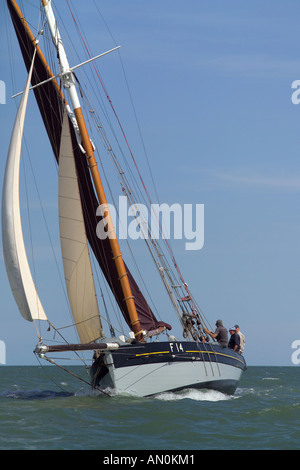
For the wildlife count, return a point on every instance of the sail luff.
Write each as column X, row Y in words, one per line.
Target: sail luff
column 75, row 252
column 16, row 262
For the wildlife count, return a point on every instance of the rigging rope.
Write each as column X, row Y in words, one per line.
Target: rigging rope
column 48, row 359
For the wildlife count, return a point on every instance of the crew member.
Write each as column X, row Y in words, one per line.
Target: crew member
column 234, row 341
column 242, row 339
column 220, row 334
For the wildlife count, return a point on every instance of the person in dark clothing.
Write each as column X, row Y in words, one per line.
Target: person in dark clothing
column 220, row 334
column 234, row 341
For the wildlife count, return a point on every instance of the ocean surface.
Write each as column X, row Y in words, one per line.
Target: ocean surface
column 44, row 408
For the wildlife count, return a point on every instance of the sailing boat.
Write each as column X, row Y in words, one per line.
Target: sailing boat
column 147, row 359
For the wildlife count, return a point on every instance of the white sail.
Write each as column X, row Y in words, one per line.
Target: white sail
column 75, row 253
column 15, row 257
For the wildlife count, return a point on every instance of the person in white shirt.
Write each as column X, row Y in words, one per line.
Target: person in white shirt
column 242, row 339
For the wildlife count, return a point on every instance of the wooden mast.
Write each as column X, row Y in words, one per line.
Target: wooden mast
column 38, row 50
column 68, row 80
column 117, row 255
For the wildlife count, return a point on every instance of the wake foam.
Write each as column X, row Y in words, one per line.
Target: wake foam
column 193, row 394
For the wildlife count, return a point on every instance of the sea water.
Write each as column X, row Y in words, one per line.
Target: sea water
column 44, row 408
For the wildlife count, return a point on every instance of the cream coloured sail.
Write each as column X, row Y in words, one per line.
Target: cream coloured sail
column 75, row 253
column 16, row 262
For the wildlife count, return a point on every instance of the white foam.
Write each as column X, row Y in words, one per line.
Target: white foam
column 270, row 378
column 192, row 394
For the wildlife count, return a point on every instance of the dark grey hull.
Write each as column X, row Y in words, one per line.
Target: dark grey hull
column 149, row 369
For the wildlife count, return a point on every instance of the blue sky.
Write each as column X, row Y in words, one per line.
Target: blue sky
column 211, row 84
